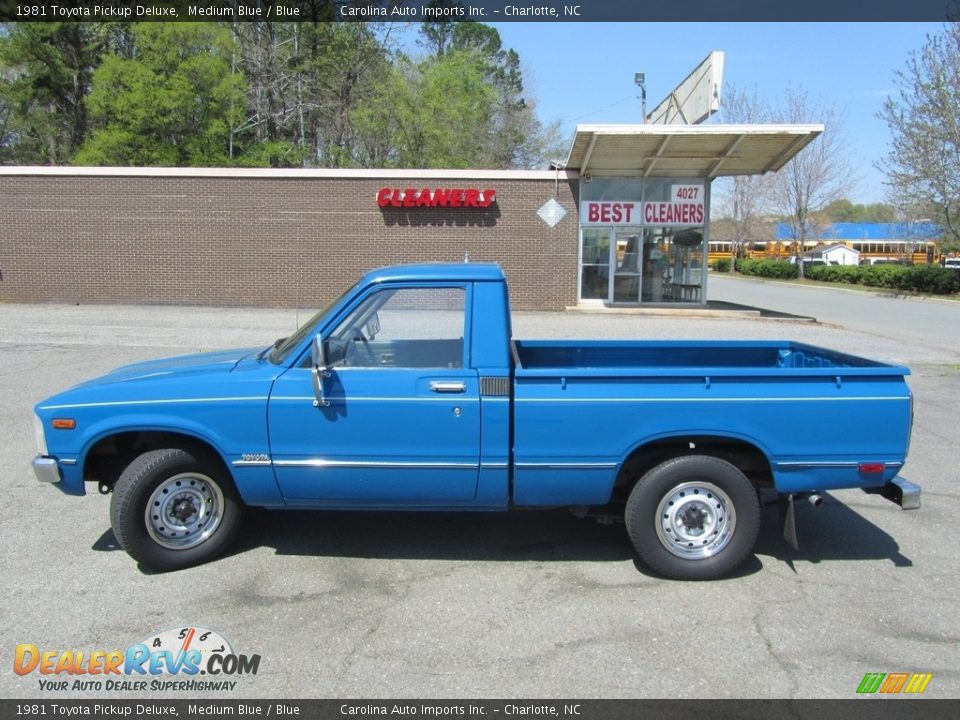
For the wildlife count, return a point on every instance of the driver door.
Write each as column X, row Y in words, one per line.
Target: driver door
column 402, row 426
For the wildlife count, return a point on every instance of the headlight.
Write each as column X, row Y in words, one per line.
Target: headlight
column 41, row 438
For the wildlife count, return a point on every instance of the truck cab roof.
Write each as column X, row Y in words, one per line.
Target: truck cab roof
column 454, row 272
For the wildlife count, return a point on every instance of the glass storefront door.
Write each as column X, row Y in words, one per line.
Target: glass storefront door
column 626, row 270
column 595, row 264
column 610, row 264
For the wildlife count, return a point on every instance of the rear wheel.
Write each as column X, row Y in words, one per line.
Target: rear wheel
column 693, row 518
column 174, row 508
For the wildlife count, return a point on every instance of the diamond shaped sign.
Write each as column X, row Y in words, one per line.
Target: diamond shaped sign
column 551, row 212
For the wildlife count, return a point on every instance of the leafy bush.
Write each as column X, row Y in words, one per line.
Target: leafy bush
column 918, row 278
column 834, row 273
column 933, row 279
column 884, row 276
column 721, row 264
column 768, row 268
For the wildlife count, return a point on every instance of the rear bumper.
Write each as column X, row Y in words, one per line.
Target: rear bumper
column 900, row 491
column 46, row 469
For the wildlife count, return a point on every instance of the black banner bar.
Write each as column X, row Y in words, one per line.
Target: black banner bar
column 479, row 10
column 855, row 709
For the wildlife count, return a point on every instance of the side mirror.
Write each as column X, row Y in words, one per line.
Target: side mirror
column 319, row 371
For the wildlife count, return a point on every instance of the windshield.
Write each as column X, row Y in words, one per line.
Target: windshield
column 284, row 349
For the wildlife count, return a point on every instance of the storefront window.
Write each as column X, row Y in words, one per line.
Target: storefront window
column 642, row 241
column 612, row 189
column 672, row 265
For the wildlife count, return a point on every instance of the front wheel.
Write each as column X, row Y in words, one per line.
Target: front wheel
column 693, row 518
column 174, row 508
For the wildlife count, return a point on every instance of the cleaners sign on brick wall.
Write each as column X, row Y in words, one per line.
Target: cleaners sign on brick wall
column 436, row 198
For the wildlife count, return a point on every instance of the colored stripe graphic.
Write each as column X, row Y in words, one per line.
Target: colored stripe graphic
column 871, row 683
column 918, row 683
column 893, row 683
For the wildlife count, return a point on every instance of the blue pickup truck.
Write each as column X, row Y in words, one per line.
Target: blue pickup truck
column 409, row 393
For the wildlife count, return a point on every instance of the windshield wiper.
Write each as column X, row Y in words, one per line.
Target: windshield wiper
column 276, row 343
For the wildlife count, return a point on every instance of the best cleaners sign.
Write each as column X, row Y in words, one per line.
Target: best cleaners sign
column 685, row 207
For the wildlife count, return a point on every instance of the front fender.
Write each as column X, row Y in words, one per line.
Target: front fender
column 235, row 433
column 151, row 423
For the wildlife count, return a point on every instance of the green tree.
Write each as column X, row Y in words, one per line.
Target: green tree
column 436, row 111
column 817, row 176
column 45, row 74
column 174, row 102
column 313, row 93
column 923, row 165
column 343, row 68
column 8, row 136
column 844, row 210
column 305, row 82
column 743, row 196
column 515, row 137
column 879, row 213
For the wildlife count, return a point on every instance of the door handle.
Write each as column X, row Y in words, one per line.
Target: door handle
column 447, row 387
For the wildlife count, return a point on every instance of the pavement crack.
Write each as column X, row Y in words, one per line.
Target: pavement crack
column 775, row 655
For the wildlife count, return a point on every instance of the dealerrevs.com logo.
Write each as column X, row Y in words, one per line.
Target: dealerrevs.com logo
column 188, row 659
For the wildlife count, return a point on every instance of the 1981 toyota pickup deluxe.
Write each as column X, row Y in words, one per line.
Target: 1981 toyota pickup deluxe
column 409, row 393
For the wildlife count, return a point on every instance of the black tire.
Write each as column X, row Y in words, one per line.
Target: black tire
column 694, row 517
column 194, row 509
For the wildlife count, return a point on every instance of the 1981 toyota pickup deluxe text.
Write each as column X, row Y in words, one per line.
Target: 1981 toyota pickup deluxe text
column 409, row 393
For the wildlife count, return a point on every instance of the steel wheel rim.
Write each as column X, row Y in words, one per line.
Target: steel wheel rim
column 695, row 520
column 184, row 511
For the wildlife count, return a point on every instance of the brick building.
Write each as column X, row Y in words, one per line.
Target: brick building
column 266, row 237
column 625, row 222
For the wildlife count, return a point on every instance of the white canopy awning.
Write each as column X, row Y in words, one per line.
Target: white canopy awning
column 689, row 151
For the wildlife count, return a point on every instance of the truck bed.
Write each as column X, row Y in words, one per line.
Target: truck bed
column 582, row 408
column 687, row 355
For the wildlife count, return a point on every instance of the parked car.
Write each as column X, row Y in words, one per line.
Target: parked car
column 410, row 392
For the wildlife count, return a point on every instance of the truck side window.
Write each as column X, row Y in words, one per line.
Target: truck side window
column 403, row 328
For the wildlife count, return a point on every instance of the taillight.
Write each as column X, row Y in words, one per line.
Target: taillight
column 909, row 429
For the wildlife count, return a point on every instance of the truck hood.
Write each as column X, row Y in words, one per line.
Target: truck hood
column 221, row 361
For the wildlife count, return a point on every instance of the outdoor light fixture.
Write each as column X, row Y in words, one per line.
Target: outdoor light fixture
column 641, row 80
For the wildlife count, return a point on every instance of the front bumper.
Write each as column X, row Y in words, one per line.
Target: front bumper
column 46, row 469
column 900, row 491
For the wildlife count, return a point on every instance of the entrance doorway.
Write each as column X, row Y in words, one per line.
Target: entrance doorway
column 611, row 264
column 627, row 265
column 595, row 264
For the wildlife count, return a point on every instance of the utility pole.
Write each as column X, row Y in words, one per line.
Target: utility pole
column 641, row 80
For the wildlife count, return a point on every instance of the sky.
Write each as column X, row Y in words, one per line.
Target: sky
column 583, row 72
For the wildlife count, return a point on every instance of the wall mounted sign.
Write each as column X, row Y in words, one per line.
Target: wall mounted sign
column 551, row 212
column 666, row 213
column 436, row 198
column 686, row 206
column 610, row 213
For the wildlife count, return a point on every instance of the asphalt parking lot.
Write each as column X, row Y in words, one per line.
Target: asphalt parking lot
column 532, row 604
